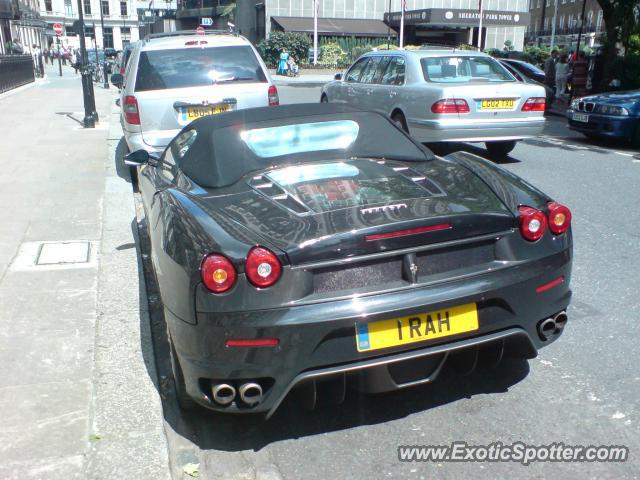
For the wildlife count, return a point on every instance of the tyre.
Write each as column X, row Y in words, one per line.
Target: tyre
column 324, row 99
column 185, row 402
column 500, row 149
column 399, row 120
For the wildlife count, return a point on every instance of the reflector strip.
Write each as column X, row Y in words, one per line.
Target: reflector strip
column 550, row 285
column 252, row 342
column 409, row 231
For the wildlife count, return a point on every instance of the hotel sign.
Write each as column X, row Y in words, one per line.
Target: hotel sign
column 459, row 17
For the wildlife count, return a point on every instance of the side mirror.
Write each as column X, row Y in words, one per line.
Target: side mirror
column 137, row 158
column 117, row 80
column 337, row 76
column 118, row 102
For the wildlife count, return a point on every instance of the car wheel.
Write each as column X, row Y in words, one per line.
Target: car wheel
column 185, row 402
column 635, row 140
column 500, row 149
column 399, row 120
column 324, row 99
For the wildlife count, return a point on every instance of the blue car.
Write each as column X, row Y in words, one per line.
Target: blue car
column 612, row 115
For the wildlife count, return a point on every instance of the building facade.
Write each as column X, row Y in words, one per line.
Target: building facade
column 21, row 26
column 567, row 15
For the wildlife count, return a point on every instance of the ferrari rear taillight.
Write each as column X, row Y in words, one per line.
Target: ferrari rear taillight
column 535, row 104
column 131, row 113
column 533, row 223
column 450, row 105
column 262, row 267
column 559, row 218
column 218, row 273
column 273, row 96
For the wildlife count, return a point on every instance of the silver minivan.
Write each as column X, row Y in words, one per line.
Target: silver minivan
column 442, row 95
column 174, row 78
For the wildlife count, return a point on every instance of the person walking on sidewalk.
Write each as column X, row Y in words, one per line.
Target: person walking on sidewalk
column 562, row 71
column 282, row 64
column 550, row 69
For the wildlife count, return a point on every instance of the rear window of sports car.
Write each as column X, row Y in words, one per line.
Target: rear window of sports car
column 464, row 70
column 197, row 67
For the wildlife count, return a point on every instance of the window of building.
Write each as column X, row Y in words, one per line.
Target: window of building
column 548, row 3
column 561, row 24
column 68, row 8
column 564, row 1
column 539, row 3
column 107, row 37
column 599, row 21
column 87, row 6
column 105, row 7
column 590, row 19
column 47, row 5
column 123, row 9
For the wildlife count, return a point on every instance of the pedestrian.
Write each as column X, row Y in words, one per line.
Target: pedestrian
column 51, row 55
column 74, row 61
column 579, row 75
column 64, row 55
column 550, row 69
column 562, row 71
column 282, row 64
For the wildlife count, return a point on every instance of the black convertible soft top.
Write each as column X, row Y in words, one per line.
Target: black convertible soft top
column 230, row 145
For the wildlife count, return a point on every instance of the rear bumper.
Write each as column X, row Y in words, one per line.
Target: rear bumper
column 319, row 340
column 605, row 126
column 469, row 130
column 135, row 141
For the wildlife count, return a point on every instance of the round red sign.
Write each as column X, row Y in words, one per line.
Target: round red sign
column 200, row 30
column 57, row 29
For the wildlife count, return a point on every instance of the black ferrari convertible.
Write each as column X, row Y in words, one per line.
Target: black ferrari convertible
column 316, row 248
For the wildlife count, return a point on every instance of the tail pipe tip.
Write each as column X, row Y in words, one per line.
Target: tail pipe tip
column 552, row 326
column 250, row 393
column 223, row 393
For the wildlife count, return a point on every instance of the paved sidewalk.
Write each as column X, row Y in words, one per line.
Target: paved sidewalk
column 67, row 397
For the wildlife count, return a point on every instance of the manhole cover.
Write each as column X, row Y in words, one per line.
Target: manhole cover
column 58, row 253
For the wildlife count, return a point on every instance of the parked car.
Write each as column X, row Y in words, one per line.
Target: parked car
column 521, row 74
column 612, row 115
column 317, row 247
column 175, row 78
column 444, row 95
column 123, row 58
column 524, row 68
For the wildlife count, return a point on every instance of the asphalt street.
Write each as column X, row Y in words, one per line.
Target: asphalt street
column 582, row 390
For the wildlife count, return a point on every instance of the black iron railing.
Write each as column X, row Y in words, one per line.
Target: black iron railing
column 15, row 70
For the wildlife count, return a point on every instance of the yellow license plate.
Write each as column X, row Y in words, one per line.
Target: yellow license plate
column 497, row 104
column 416, row 328
column 197, row 112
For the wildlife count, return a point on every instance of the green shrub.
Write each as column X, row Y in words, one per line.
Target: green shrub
column 297, row 44
column 332, row 54
column 357, row 52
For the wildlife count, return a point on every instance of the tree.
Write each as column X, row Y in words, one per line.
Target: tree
column 621, row 19
column 297, row 44
column 508, row 46
column 229, row 12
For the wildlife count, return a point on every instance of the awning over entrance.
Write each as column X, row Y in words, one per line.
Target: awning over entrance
column 451, row 17
column 341, row 27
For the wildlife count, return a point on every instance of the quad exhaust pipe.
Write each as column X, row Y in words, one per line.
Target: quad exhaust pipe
column 250, row 393
column 223, row 393
column 551, row 327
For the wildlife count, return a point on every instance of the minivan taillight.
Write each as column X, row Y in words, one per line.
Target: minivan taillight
column 535, row 104
column 273, row 96
column 131, row 113
column 450, row 105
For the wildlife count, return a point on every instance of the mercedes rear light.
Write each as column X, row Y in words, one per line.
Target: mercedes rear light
column 218, row 273
column 450, row 105
column 559, row 218
column 535, row 104
column 533, row 223
column 131, row 113
column 262, row 267
column 273, row 96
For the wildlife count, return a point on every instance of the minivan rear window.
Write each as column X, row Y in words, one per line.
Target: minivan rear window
column 196, row 67
column 464, row 69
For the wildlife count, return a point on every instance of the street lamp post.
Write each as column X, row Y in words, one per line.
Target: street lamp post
column 104, row 64
column 90, row 114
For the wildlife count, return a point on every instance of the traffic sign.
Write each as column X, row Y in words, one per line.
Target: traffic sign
column 206, row 21
column 200, row 30
column 57, row 29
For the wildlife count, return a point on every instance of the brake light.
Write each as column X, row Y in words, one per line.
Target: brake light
column 535, row 104
column 559, row 218
column 533, row 223
column 252, row 342
column 131, row 113
column 262, row 267
column 450, row 105
column 218, row 273
column 273, row 96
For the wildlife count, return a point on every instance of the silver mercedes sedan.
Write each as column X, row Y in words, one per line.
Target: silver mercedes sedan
column 440, row 95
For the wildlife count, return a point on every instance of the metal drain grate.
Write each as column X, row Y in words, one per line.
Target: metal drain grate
column 61, row 253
